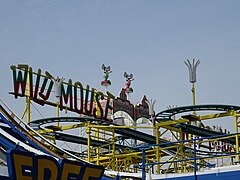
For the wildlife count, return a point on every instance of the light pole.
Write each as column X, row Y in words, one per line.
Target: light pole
column 192, row 67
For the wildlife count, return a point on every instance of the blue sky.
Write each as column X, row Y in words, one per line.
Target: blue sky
column 149, row 38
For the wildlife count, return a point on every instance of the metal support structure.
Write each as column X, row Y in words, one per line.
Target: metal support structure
column 113, row 150
column 237, row 137
column 193, row 98
column 195, row 159
column 192, row 159
column 57, row 112
column 89, row 142
column 193, row 95
column 143, row 164
column 106, row 136
column 183, row 166
column 123, row 159
column 157, row 149
column 98, row 148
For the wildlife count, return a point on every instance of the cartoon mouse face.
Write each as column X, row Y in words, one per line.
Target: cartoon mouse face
column 129, row 77
column 106, row 69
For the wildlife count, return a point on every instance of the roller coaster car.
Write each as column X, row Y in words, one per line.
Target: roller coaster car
column 54, row 128
column 191, row 117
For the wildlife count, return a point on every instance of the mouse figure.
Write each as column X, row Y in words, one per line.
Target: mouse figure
column 129, row 79
column 107, row 71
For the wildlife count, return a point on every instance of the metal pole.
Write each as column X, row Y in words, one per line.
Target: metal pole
column 237, row 141
column 28, row 100
column 193, row 97
column 195, row 160
column 182, row 152
column 89, row 142
column 98, row 148
column 143, row 165
column 158, row 152
column 57, row 110
column 113, row 150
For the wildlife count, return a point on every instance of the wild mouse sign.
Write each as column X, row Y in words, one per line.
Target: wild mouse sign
column 72, row 96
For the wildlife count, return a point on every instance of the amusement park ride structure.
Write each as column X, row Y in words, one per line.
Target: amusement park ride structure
column 106, row 130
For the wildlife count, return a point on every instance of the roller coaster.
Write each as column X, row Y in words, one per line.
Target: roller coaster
column 125, row 140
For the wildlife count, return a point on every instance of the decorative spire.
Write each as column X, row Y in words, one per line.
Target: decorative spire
column 192, row 67
column 107, row 71
column 151, row 104
column 57, row 85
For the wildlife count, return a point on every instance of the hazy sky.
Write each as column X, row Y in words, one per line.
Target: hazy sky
column 149, row 38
